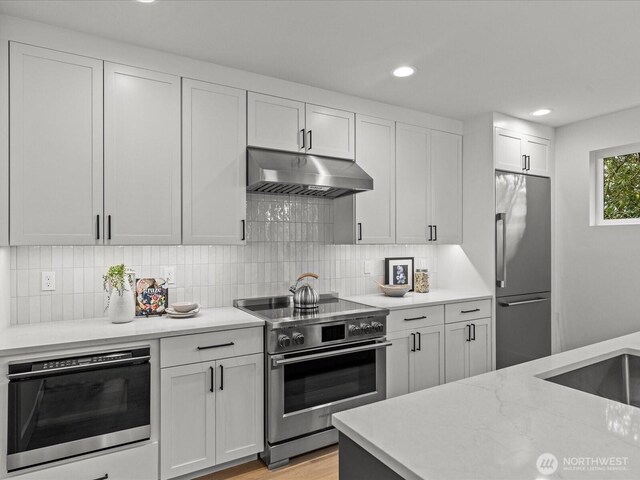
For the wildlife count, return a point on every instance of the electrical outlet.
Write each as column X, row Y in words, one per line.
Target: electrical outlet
column 368, row 267
column 169, row 275
column 48, row 281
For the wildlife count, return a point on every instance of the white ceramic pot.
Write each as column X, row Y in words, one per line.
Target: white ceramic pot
column 122, row 308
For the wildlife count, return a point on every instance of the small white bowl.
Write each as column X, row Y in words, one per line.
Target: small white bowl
column 395, row 290
column 184, row 307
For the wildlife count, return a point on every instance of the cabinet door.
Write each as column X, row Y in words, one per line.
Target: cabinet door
column 509, row 150
column 456, row 351
column 214, row 163
column 274, row 122
column 142, row 156
column 55, row 147
column 538, row 151
column 427, row 362
column 330, row 132
column 187, row 418
column 398, row 363
column 412, row 177
column 446, row 187
column 375, row 210
column 239, row 407
column 480, row 347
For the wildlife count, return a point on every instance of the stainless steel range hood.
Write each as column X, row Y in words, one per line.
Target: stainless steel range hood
column 285, row 173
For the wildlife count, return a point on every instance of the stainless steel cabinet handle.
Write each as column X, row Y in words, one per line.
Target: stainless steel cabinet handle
column 501, row 273
column 415, row 318
column 315, row 356
column 413, row 342
column 216, row 346
column 303, row 139
column 523, row 302
column 470, row 311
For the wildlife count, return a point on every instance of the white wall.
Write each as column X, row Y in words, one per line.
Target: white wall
column 598, row 268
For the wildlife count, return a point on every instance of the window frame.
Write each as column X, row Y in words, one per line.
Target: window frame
column 597, row 185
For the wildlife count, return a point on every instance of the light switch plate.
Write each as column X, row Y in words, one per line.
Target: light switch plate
column 368, row 266
column 48, row 281
column 169, row 275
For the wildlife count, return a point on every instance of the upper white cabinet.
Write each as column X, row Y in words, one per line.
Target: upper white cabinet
column 283, row 124
column 446, row 187
column 521, row 153
column 429, row 185
column 213, row 163
column 414, row 197
column 369, row 217
column 142, row 156
column 56, row 182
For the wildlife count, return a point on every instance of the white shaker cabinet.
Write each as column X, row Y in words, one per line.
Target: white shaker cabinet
column 467, row 348
column 214, row 163
column 521, row 153
column 446, row 187
column 282, row 124
column 142, row 156
column 56, row 183
column 429, row 186
column 369, row 217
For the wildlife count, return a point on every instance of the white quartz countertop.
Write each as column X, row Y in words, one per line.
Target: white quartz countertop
column 436, row 296
column 496, row 425
column 57, row 335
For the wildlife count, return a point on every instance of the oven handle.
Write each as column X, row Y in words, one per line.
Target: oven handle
column 286, row 361
column 44, row 373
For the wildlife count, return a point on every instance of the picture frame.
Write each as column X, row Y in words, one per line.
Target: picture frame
column 398, row 271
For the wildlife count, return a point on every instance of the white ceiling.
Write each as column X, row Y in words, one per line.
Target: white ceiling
column 580, row 58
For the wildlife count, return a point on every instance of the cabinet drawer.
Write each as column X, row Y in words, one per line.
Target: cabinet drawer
column 140, row 463
column 460, row 312
column 204, row 347
column 412, row 318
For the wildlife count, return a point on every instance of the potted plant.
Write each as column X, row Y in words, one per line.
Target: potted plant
column 118, row 283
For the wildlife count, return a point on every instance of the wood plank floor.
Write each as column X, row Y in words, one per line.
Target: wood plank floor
column 319, row 465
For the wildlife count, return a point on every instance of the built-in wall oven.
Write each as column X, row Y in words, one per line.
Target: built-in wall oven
column 62, row 407
column 319, row 361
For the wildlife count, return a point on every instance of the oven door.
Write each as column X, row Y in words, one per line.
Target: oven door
column 305, row 388
column 65, row 414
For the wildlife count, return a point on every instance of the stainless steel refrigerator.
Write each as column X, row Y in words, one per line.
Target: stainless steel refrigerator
column 523, row 268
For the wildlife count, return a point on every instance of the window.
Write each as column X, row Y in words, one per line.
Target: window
column 616, row 192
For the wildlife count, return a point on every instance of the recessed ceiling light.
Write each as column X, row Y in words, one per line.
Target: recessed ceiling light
column 146, row 1
column 404, row 71
column 542, row 111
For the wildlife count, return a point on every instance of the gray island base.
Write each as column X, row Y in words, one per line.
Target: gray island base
column 358, row 464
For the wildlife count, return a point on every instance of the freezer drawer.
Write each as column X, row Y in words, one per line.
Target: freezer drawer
column 523, row 328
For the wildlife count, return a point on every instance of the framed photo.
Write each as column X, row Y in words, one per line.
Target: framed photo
column 152, row 297
column 399, row 271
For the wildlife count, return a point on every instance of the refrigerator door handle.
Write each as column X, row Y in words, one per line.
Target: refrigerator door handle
column 501, row 273
column 523, row 302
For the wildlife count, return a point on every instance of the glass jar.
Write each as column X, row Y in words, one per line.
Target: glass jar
column 421, row 281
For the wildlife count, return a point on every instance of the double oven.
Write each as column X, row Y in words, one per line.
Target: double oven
column 317, row 362
column 63, row 407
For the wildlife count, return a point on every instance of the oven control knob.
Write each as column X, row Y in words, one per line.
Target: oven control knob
column 366, row 328
column 284, row 340
column 298, row 339
column 355, row 330
column 377, row 327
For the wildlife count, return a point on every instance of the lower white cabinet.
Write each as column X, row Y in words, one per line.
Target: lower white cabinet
column 211, row 412
column 139, row 463
column 415, row 360
column 467, row 348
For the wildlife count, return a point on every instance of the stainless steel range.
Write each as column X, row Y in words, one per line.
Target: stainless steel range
column 318, row 362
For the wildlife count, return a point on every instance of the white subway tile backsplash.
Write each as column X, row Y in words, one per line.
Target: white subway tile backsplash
column 286, row 237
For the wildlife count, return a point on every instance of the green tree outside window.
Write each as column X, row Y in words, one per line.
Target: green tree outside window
column 621, row 186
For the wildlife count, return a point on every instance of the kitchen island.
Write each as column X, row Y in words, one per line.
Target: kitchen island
column 497, row 426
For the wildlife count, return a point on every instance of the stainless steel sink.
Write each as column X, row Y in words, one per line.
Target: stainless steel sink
column 616, row 378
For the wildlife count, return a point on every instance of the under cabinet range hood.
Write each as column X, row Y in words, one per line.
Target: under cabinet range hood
column 284, row 173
